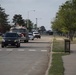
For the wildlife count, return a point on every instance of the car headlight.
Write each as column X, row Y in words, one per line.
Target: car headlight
column 3, row 40
column 15, row 40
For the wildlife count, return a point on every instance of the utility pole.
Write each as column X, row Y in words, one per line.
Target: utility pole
column 36, row 23
column 37, row 19
column 28, row 18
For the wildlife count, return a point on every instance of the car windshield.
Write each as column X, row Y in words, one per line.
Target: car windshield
column 30, row 34
column 11, row 35
column 36, row 33
column 19, row 30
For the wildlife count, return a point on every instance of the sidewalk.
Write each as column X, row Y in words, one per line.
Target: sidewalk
column 69, row 61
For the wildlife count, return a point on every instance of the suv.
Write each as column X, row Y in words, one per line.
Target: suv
column 36, row 35
column 22, row 31
column 10, row 38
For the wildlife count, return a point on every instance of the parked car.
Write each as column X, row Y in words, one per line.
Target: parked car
column 10, row 38
column 36, row 35
column 31, row 37
column 22, row 31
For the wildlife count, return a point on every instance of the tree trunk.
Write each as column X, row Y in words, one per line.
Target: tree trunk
column 71, row 35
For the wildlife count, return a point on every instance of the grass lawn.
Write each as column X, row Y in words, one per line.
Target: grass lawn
column 0, row 38
column 58, row 46
column 74, row 41
column 57, row 67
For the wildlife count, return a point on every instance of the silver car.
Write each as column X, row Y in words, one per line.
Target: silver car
column 31, row 37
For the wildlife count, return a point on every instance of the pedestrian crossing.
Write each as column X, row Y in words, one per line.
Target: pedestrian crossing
column 22, row 50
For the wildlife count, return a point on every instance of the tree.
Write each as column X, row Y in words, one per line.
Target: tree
column 65, row 20
column 29, row 24
column 4, row 26
column 17, row 19
column 42, row 28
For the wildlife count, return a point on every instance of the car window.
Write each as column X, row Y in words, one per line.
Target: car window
column 22, row 30
column 11, row 35
column 19, row 30
column 35, row 33
column 30, row 34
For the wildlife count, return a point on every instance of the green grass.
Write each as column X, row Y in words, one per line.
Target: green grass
column 58, row 46
column 57, row 67
column 74, row 41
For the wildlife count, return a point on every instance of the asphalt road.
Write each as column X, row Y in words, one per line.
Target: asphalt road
column 30, row 59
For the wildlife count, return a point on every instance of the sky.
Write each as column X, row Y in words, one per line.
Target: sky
column 43, row 10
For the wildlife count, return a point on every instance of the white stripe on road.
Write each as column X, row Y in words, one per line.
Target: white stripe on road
column 43, row 50
column 20, row 49
column 32, row 50
column 9, row 49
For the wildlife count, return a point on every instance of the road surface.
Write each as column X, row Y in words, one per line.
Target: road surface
column 30, row 59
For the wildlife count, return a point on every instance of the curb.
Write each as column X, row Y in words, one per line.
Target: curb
column 49, row 65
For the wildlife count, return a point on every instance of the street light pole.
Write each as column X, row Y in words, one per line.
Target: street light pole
column 28, row 18
column 37, row 22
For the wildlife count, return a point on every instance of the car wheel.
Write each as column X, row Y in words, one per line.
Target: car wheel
column 39, row 36
column 25, row 41
column 33, row 39
column 2, row 46
column 18, row 45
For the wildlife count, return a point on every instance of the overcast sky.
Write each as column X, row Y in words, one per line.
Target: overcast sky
column 45, row 10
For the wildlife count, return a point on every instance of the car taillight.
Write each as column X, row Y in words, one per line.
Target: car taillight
column 22, row 35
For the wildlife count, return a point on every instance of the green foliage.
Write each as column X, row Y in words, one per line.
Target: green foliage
column 4, row 26
column 65, row 20
column 42, row 28
column 29, row 24
column 17, row 19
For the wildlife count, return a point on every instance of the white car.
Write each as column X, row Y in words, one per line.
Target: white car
column 36, row 35
column 31, row 37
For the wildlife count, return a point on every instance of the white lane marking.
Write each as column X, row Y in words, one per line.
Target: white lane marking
column 43, row 50
column 9, row 49
column 32, row 50
column 20, row 49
